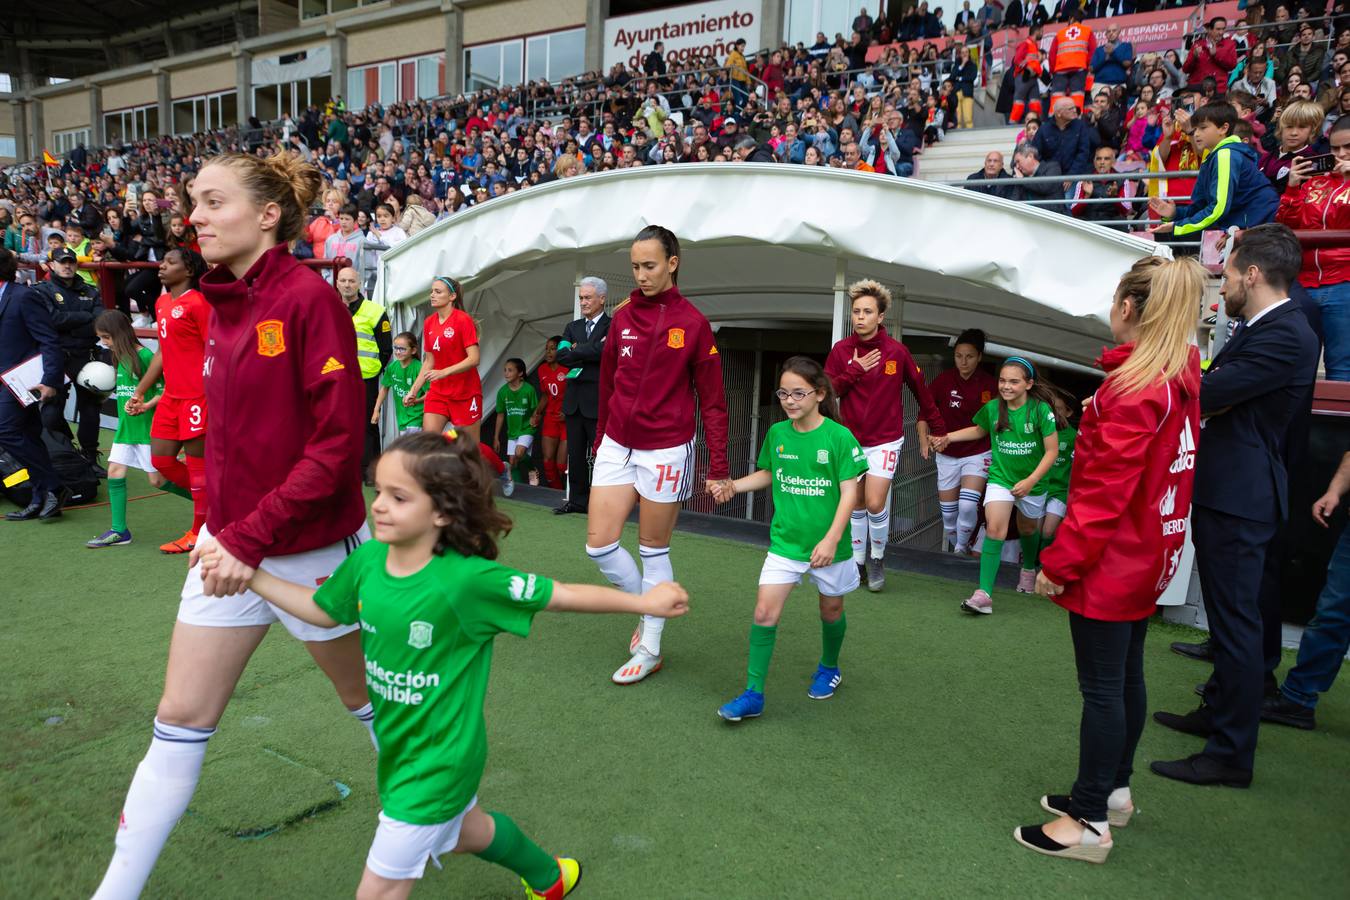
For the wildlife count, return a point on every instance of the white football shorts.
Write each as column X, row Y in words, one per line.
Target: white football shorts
column 951, row 469
column 1033, row 506
column 884, row 459
column 400, row 850
column 662, row 476
column 834, row 580
column 310, row 569
column 133, row 456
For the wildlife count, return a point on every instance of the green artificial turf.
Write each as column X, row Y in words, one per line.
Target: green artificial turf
column 945, row 732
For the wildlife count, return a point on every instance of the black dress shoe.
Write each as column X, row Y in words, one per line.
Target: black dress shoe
column 1203, row 651
column 1283, row 711
column 1197, row 722
column 1201, row 769
column 569, row 507
column 51, row 507
column 28, row 512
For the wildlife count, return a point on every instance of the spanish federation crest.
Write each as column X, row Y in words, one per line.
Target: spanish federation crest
column 419, row 635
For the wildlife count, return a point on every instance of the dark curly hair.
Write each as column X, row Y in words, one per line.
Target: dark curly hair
column 459, row 483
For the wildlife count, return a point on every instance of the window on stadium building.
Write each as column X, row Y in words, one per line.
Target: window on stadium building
column 806, row 17
column 552, row 56
column 205, row 113
column 415, row 78
column 290, row 98
column 65, row 141
column 310, row 9
column 135, row 124
column 9, row 147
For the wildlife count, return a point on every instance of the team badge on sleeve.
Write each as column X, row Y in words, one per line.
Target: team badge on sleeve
column 675, row 338
column 271, row 338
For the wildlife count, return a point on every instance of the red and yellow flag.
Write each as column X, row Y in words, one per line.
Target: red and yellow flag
column 49, row 160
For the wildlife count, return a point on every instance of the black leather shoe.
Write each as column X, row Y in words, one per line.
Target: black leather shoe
column 1201, row 769
column 28, row 512
column 1203, row 651
column 569, row 507
column 51, row 507
column 1200, row 689
column 1197, row 722
column 1283, row 711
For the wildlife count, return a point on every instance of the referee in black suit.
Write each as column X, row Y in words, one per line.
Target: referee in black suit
column 1252, row 390
column 581, row 403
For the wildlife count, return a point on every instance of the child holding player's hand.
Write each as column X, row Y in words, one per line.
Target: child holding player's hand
column 430, row 600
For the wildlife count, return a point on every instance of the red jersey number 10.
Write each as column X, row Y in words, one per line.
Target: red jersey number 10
column 664, row 474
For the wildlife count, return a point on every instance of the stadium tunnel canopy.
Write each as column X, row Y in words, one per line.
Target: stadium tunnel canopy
column 772, row 246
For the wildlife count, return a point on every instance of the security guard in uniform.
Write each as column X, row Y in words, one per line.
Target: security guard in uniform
column 73, row 305
column 374, row 346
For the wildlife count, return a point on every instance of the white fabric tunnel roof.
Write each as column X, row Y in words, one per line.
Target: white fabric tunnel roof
column 761, row 244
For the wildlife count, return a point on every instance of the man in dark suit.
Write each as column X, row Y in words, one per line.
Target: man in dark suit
column 26, row 331
column 581, row 403
column 1247, row 398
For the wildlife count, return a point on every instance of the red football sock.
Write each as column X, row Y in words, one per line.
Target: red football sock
column 172, row 468
column 196, row 467
column 551, row 474
column 492, row 458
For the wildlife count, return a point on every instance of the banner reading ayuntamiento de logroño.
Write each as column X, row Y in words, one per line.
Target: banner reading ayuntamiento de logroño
column 694, row 29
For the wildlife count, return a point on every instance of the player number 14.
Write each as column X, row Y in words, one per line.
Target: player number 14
column 665, row 473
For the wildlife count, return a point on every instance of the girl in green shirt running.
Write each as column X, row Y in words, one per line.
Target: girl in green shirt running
column 398, row 378
column 430, row 599
column 812, row 463
column 1023, row 429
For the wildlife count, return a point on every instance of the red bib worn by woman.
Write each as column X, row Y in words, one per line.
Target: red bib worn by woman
column 283, row 471
column 659, row 352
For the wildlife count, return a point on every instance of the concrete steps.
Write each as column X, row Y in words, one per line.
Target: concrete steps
column 962, row 151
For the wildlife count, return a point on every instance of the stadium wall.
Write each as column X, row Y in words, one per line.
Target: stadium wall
column 426, row 35
column 62, row 112
column 514, row 18
column 203, row 79
column 125, row 94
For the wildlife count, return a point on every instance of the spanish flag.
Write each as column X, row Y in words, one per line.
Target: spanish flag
column 49, row 160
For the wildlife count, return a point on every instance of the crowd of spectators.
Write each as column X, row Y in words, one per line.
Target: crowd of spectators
column 394, row 170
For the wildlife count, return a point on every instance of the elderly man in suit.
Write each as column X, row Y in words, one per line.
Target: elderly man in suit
column 585, row 339
column 1247, row 398
column 26, row 331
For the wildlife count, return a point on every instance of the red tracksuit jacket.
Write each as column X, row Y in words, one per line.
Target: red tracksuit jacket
column 1321, row 203
column 283, row 458
column 872, row 403
column 1129, row 496
column 658, row 351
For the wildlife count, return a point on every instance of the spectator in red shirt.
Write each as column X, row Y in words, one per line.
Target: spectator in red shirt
column 1322, row 203
column 1212, row 55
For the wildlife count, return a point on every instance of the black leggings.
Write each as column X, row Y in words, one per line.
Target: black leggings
column 142, row 288
column 1110, row 658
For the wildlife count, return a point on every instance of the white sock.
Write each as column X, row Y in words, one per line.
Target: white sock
column 879, row 532
column 967, row 517
column 1118, row 799
column 1103, row 832
column 858, row 525
column 617, row 565
column 159, row 794
column 948, row 509
column 366, row 716
column 656, row 568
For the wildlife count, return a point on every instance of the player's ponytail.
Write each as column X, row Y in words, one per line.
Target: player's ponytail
column 289, row 182
column 1167, row 295
column 449, row 468
column 810, row 371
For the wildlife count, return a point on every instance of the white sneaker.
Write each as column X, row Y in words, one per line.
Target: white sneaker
column 639, row 667
column 508, row 486
column 979, row 603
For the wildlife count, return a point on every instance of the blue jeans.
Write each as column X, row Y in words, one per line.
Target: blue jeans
column 1327, row 636
column 1334, row 300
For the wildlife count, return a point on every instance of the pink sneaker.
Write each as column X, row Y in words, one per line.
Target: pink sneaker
column 979, row 603
column 1026, row 582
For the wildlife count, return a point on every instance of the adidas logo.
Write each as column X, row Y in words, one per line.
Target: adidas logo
column 331, row 366
column 1185, row 451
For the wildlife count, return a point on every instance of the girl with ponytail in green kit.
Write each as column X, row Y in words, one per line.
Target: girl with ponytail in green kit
column 1023, row 429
